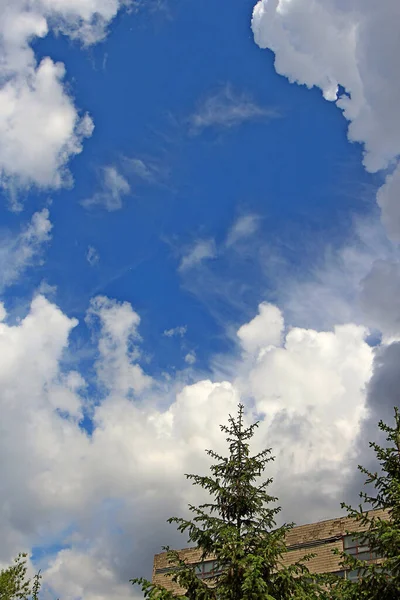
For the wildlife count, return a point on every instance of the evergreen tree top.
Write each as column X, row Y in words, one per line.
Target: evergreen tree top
column 379, row 579
column 237, row 527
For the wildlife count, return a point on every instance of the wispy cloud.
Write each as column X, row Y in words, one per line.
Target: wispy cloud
column 227, row 108
column 243, row 227
column 201, row 250
column 24, row 250
column 92, row 256
column 190, row 357
column 176, row 331
column 148, row 171
column 113, row 188
column 142, row 170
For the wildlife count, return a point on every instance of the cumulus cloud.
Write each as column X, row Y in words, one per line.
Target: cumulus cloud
column 113, row 188
column 40, row 127
column 201, row 250
column 116, row 365
column 264, row 330
column 329, row 44
column 19, row 252
column 244, row 227
column 227, row 108
column 380, row 291
column 382, row 397
column 352, row 44
column 388, row 199
column 97, row 495
column 352, row 47
column 334, row 290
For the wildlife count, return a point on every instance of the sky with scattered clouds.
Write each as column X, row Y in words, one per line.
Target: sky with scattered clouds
column 199, row 206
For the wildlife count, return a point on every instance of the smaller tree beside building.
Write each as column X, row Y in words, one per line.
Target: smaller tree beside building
column 378, row 579
column 14, row 584
column 237, row 529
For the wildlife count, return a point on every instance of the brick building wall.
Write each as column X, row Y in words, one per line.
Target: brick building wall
column 317, row 538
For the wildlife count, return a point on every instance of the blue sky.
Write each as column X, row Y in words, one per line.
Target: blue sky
column 295, row 172
column 222, row 206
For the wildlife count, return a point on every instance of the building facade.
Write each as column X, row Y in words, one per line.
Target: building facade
column 317, row 538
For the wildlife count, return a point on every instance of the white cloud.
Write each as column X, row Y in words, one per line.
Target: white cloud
column 201, row 250
column 149, row 171
column 118, row 326
column 113, row 188
column 176, row 331
column 190, row 357
column 244, row 227
column 380, row 291
column 19, row 252
column 264, row 330
column 101, row 494
column 354, row 44
column 227, row 108
column 330, row 43
column 40, row 127
column 388, row 199
column 141, row 169
column 92, row 256
column 333, row 290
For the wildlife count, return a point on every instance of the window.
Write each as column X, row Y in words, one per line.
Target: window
column 207, row 569
column 341, row 574
column 358, row 548
column 352, row 575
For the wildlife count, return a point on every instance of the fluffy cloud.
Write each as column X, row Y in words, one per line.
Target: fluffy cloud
column 40, row 127
column 379, row 297
column 116, row 367
column 354, row 44
column 329, row 43
column 113, row 188
column 304, row 378
column 264, row 330
column 104, row 497
column 388, row 199
column 23, row 250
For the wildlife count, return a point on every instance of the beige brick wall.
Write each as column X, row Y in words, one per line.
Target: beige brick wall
column 324, row 561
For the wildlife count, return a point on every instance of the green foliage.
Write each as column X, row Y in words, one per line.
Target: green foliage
column 238, row 528
column 14, row 584
column 36, row 586
column 378, row 580
column 13, row 581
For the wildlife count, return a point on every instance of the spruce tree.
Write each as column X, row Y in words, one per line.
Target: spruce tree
column 238, row 529
column 378, row 579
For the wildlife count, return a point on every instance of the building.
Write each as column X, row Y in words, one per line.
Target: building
column 318, row 538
